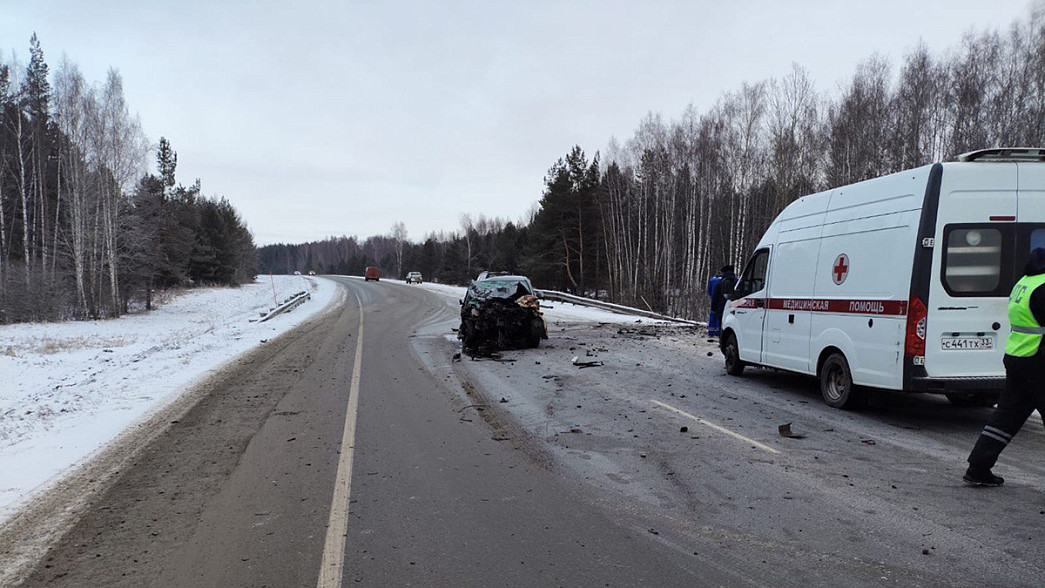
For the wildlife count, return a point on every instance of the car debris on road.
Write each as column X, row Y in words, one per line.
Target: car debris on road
column 785, row 431
column 585, row 364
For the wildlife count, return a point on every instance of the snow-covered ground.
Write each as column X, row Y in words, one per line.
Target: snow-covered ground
column 67, row 389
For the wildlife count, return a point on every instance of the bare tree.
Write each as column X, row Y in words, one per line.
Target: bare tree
column 74, row 105
column 122, row 148
column 858, row 126
column 399, row 236
column 794, row 126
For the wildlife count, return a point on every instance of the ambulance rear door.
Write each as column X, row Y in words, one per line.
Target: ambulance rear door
column 973, row 270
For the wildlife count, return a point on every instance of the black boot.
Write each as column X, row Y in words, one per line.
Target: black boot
column 974, row 477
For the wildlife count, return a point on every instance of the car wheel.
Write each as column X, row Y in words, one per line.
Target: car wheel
column 465, row 333
column 734, row 365
column 536, row 331
column 981, row 399
column 836, row 384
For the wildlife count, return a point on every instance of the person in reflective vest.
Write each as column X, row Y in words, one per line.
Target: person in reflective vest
column 1024, row 373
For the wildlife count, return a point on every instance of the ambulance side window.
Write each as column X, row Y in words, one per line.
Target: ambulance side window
column 754, row 277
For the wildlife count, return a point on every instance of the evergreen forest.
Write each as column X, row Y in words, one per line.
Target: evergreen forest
column 85, row 231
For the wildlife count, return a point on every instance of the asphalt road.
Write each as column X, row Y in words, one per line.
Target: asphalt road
column 238, row 488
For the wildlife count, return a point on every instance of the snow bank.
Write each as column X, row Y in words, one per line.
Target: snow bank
column 67, row 389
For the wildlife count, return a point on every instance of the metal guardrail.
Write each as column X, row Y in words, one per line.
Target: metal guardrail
column 617, row 308
column 288, row 304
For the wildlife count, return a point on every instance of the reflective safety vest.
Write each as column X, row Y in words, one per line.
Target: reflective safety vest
column 1026, row 332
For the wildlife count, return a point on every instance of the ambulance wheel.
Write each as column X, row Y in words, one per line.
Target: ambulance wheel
column 734, row 365
column 836, row 384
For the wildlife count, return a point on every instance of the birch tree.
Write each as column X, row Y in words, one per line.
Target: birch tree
column 398, row 234
column 121, row 148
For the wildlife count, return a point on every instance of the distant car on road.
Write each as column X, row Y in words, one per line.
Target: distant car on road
column 372, row 273
column 501, row 312
column 413, row 278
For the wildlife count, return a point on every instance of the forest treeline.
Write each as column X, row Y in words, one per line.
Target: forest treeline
column 85, row 231
column 649, row 219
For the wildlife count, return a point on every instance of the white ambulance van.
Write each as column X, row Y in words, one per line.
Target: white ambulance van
column 896, row 283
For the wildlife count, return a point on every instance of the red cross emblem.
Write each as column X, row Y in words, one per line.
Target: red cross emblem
column 840, row 269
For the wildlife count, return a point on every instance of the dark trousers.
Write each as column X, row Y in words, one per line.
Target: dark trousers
column 1024, row 392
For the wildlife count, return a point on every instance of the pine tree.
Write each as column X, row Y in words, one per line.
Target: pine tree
column 36, row 89
column 166, row 163
column 35, row 95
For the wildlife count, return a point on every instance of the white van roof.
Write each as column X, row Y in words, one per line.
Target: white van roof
column 1008, row 154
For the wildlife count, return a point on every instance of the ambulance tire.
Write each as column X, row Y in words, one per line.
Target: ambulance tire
column 734, row 365
column 836, row 384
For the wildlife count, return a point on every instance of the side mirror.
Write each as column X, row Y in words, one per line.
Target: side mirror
column 538, row 293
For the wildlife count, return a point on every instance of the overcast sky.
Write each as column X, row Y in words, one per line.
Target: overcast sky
column 321, row 119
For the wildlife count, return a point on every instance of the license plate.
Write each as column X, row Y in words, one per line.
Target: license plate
column 967, row 343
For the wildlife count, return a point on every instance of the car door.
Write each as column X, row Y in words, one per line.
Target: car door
column 748, row 306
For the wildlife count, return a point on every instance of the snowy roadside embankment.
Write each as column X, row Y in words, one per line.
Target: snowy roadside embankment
column 560, row 311
column 69, row 388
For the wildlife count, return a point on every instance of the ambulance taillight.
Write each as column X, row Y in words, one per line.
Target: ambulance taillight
column 916, row 314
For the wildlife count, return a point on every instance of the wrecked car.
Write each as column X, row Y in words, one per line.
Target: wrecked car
column 501, row 312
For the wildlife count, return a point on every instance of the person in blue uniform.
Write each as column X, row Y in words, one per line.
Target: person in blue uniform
column 714, row 320
column 720, row 294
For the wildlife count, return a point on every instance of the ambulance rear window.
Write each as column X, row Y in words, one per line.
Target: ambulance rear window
column 973, row 260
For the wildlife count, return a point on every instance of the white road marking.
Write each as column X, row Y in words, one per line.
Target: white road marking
column 716, row 427
column 332, row 567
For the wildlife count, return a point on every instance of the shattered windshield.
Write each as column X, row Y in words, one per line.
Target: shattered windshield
column 502, row 288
